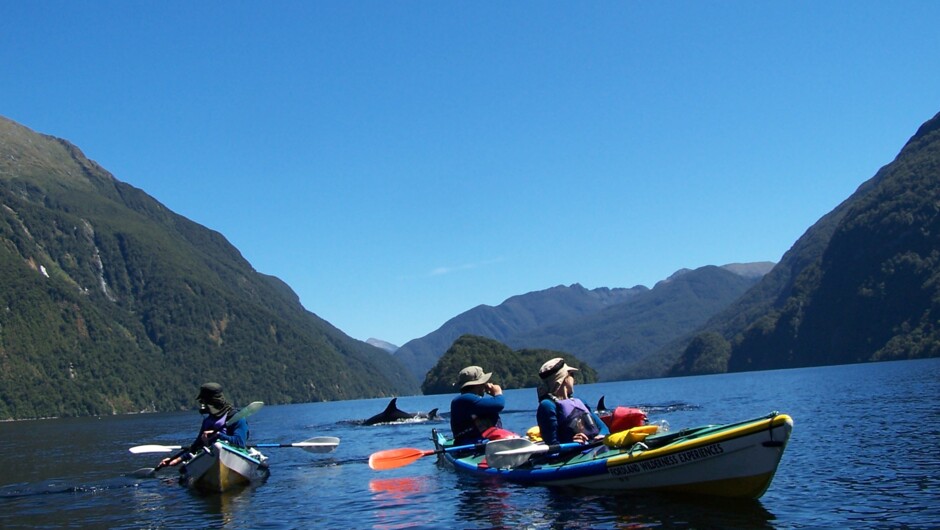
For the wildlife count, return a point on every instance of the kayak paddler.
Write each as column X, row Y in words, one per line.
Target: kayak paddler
column 217, row 409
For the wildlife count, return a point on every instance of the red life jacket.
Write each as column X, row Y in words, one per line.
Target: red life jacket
column 498, row 433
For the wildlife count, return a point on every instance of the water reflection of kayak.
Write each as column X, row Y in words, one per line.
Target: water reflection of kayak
column 733, row 460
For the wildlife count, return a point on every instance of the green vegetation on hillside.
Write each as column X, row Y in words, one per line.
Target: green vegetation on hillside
column 110, row 303
column 874, row 293
column 708, row 353
column 863, row 284
column 511, row 369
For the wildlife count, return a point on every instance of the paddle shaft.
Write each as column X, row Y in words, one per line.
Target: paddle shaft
column 573, row 446
column 458, row 448
column 165, row 462
column 143, row 449
column 299, row 444
column 554, row 448
column 394, row 458
column 319, row 442
column 325, row 444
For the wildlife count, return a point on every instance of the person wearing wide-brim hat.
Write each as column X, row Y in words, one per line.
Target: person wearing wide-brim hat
column 563, row 418
column 216, row 407
column 476, row 409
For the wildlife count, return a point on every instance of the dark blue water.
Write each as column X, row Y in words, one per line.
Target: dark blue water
column 863, row 454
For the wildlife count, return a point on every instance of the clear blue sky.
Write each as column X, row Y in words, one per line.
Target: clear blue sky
column 400, row 162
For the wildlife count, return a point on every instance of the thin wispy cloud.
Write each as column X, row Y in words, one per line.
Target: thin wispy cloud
column 440, row 271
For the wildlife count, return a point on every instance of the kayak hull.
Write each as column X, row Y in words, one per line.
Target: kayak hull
column 735, row 460
column 222, row 467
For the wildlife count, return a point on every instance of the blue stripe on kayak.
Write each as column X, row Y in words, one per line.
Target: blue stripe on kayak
column 531, row 475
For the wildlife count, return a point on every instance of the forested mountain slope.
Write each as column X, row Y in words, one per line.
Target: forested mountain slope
column 862, row 284
column 111, row 303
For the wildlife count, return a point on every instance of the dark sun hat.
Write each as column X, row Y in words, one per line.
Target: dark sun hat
column 210, row 393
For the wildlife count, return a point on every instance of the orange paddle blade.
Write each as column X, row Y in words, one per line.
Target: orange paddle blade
column 392, row 458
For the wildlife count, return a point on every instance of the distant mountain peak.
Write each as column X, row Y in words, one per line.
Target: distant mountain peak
column 679, row 273
column 379, row 343
column 750, row 270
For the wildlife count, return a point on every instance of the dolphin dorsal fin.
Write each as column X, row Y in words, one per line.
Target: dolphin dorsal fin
column 392, row 405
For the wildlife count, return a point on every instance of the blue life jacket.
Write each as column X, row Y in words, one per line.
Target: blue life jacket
column 218, row 424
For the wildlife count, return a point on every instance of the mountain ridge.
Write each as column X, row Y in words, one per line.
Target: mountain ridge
column 116, row 304
column 518, row 312
column 614, row 339
column 861, row 284
column 515, row 320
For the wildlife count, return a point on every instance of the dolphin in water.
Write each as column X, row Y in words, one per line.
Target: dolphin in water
column 392, row 413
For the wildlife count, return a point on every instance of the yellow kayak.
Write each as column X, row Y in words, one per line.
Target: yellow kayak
column 221, row 467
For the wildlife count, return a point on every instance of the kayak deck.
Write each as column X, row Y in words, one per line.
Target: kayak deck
column 221, row 467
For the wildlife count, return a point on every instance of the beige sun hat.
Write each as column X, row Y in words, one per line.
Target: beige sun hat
column 554, row 371
column 472, row 375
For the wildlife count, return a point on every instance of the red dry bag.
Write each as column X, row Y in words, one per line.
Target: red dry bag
column 624, row 418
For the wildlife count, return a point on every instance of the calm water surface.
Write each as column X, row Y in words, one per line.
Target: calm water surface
column 863, row 454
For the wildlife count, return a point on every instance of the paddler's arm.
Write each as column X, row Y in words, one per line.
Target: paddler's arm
column 492, row 404
column 547, row 418
column 176, row 459
column 239, row 436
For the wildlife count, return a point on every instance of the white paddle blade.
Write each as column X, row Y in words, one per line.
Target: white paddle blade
column 246, row 411
column 320, row 444
column 323, row 440
column 495, row 449
column 144, row 472
column 316, row 447
column 154, row 449
column 523, row 451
